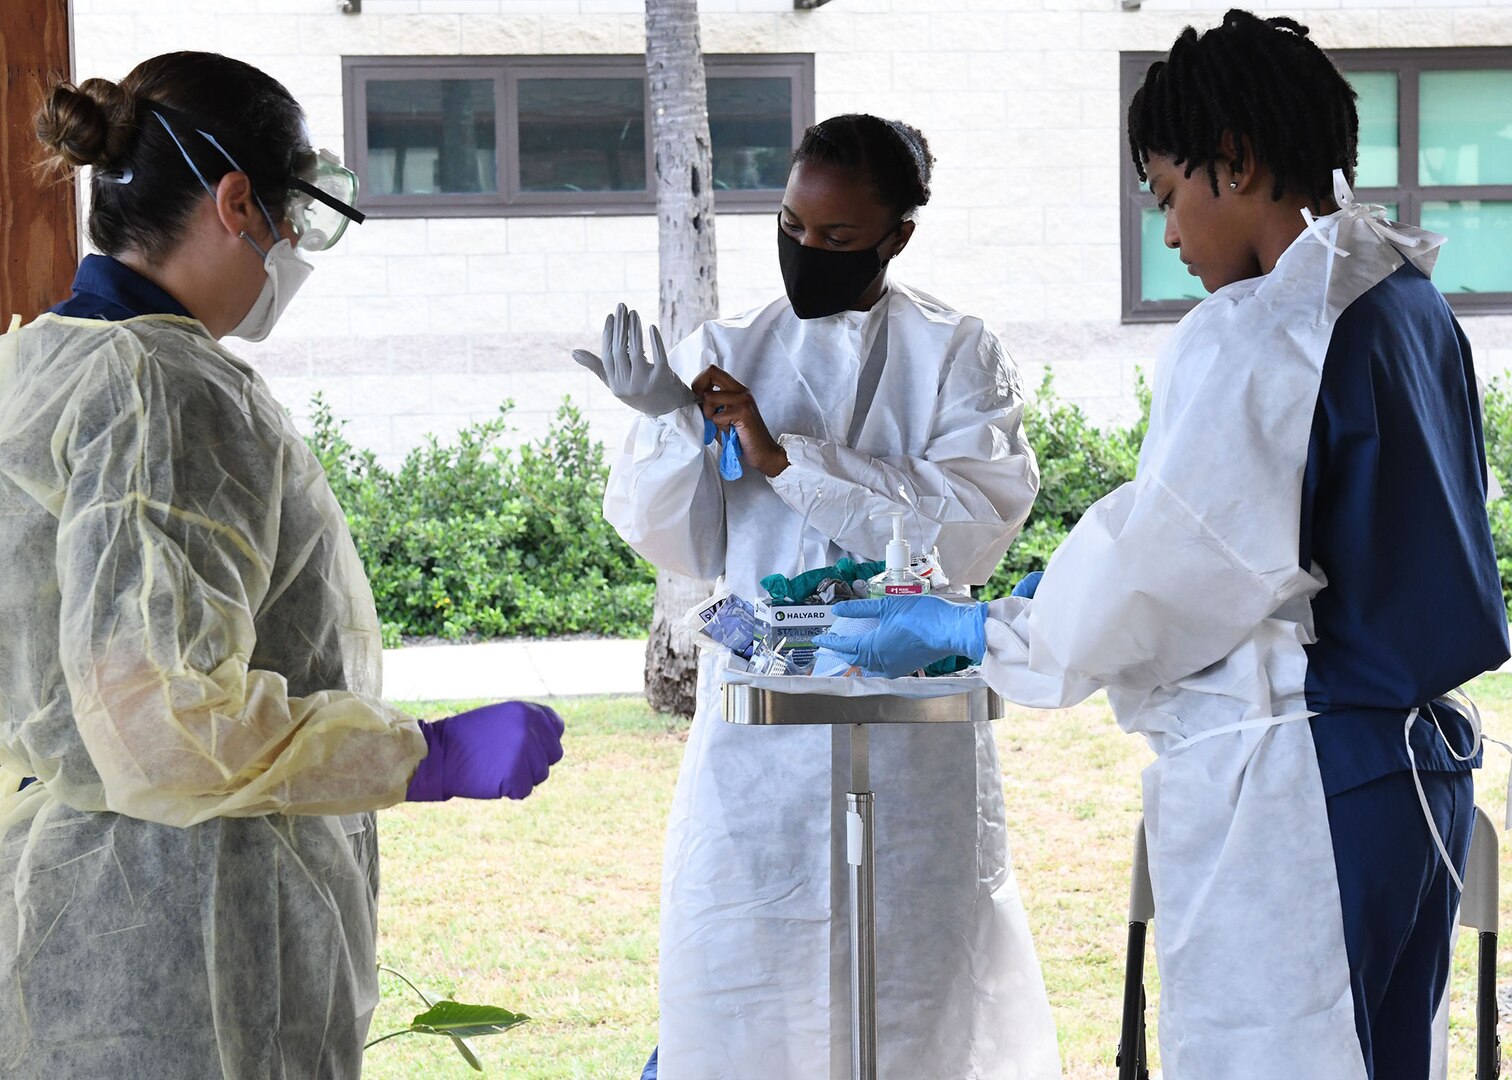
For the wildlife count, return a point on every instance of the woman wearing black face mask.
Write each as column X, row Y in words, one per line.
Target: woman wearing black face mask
column 853, row 397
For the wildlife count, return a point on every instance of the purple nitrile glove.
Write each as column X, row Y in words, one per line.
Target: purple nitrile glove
column 489, row 753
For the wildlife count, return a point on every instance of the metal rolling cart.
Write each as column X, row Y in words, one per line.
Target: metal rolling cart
column 794, row 700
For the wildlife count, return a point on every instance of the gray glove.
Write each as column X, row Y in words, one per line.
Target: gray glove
column 647, row 385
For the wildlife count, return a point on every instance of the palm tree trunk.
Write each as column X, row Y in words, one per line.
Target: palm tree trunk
column 689, row 288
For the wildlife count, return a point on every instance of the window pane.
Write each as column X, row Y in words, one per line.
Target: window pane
column 1466, row 127
column 1162, row 274
column 1377, row 91
column 751, row 127
column 582, row 134
column 1475, row 257
column 431, row 136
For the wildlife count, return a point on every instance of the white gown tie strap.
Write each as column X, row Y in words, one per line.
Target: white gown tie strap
column 1374, row 215
column 1241, row 725
column 1471, row 714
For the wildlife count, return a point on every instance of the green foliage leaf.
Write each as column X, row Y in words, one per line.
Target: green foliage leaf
column 465, row 1021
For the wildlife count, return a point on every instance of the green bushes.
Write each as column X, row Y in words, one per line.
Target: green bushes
column 1079, row 464
column 1498, row 411
column 471, row 539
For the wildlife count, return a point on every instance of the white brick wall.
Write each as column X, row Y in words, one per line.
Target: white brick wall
column 414, row 326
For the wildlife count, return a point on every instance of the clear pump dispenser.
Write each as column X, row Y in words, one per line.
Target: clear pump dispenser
column 898, row 579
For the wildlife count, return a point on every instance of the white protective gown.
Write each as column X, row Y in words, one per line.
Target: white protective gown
column 1181, row 594
column 190, row 667
column 754, row 941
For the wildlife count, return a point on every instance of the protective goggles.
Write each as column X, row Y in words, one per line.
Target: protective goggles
column 322, row 194
column 321, row 190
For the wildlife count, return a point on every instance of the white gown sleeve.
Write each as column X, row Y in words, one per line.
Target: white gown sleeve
column 166, row 543
column 1169, row 573
column 1140, row 595
column 969, row 493
column 665, row 497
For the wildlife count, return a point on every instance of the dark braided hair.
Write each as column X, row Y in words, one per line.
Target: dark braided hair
column 1263, row 80
column 893, row 155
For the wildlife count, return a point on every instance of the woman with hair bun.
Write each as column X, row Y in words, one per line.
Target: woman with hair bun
column 853, row 397
column 191, row 734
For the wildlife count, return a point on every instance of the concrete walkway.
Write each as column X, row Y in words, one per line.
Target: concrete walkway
column 514, row 669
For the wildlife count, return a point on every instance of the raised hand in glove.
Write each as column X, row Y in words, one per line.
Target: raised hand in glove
column 646, row 384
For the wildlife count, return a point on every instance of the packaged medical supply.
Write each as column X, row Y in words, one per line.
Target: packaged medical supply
column 829, row 662
column 927, row 566
column 790, row 629
column 725, row 619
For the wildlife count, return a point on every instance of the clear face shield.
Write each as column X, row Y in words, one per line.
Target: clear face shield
column 322, row 194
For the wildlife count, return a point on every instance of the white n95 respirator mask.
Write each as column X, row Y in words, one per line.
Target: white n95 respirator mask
column 309, row 213
column 286, row 273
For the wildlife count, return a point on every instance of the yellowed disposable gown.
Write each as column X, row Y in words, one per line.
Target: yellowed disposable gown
column 754, row 949
column 189, row 664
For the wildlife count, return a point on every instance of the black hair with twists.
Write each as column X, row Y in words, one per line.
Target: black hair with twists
column 1263, row 81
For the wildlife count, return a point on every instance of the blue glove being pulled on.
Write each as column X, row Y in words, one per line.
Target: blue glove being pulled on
column 911, row 633
column 729, row 451
column 489, row 753
column 1027, row 584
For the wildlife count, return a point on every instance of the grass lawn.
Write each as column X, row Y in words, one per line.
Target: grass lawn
column 549, row 906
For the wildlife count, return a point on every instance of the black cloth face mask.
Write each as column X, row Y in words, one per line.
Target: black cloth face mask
column 822, row 282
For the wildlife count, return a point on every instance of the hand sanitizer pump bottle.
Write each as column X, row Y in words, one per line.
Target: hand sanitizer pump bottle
column 898, row 579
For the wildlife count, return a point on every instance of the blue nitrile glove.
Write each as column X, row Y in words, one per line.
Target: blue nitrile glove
column 729, row 451
column 913, row 632
column 1027, row 584
column 489, row 753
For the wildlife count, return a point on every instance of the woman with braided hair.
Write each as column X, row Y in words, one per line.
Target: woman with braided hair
column 852, row 396
column 1283, row 598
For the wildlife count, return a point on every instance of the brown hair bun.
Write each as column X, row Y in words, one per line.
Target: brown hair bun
column 89, row 124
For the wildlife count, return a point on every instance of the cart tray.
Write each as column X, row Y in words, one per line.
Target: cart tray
column 809, row 702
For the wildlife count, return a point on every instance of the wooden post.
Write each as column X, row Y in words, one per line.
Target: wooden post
column 39, row 243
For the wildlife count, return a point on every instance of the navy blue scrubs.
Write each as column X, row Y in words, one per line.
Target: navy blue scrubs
column 1394, row 513
column 105, row 288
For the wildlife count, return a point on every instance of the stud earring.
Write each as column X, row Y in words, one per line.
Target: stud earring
column 1233, row 185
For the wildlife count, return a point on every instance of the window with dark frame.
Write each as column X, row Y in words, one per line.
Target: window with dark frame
column 1435, row 150
column 494, row 136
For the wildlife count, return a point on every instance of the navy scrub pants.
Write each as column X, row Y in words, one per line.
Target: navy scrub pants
column 1399, row 907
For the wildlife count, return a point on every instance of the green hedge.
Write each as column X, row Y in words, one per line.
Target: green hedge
column 474, row 540
column 1079, row 464
column 1498, row 407
column 470, row 539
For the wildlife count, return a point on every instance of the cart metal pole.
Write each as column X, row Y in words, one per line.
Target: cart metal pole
column 860, row 853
